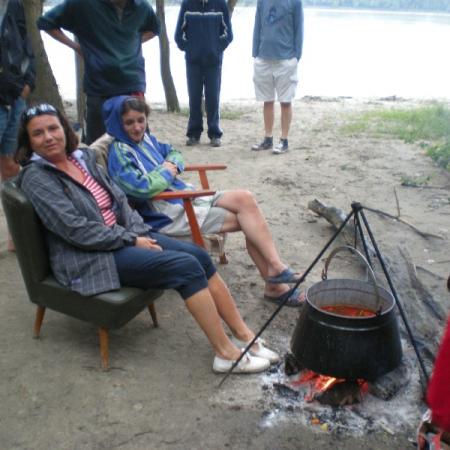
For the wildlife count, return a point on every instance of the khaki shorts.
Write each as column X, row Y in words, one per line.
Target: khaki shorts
column 275, row 76
column 210, row 217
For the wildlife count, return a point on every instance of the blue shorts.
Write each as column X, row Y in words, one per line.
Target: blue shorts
column 182, row 266
column 9, row 126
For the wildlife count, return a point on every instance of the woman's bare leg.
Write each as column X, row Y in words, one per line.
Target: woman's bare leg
column 272, row 290
column 204, row 310
column 227, row 309
column 249, row 218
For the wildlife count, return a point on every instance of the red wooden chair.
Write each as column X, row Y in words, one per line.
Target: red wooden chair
column 214, row 243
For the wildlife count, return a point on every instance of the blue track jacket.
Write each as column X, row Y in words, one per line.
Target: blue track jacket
column 203, row 31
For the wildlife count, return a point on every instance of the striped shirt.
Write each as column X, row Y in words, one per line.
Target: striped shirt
column 100, row 195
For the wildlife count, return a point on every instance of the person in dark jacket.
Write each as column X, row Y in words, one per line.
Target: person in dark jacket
column 110, row 35
column 17, row 77
column 203, row 32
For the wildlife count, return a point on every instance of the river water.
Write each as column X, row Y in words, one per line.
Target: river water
column 354, row 53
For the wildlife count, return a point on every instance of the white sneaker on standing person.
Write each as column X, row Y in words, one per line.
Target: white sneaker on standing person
column 277, row 49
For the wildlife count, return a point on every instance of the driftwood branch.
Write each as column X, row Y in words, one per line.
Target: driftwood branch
column 424, row 234
column 397, row 202
column 335, row 217
column 423, row 293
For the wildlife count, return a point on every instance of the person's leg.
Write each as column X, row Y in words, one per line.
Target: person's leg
column 9, row 125
column 258, row 257
column 248, row 217
column 199, row 253
column 286, row 79
column 94, row 118
column 265, row 91
column 269, row 118
column 286, row 119
column 227, row 308
column 194, row 75
column 203, row 308
column 213, row 76
column 170, row 269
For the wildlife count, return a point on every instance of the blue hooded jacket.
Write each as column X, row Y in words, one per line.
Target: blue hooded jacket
column 137, row 167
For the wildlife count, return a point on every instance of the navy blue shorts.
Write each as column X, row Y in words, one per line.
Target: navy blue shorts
column 182, row 266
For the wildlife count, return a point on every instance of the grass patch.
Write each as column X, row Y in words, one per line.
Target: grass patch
column 429, row 125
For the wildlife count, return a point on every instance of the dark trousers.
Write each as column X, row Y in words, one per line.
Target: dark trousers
column 94, row 119
column 182, row 266
column 208, row 78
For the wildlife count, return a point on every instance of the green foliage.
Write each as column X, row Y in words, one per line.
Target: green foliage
column 414, row 181
column 441, row 154
column 428, row 125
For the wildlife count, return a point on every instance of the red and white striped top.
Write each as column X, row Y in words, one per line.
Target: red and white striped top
column 100, row 194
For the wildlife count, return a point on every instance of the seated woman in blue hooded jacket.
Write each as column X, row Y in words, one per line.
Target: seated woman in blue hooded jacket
column 144, row 167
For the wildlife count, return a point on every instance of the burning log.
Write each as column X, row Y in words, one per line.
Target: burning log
column 387, row 386
column 341, row 394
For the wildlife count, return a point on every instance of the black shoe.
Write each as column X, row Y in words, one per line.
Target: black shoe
column 192, row 141
column 215, row 142
column 266, row 144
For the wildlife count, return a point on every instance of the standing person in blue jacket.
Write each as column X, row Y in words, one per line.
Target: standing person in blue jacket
column 110, row 34
column 17, row 78
column 203, row 32
column 277, row 49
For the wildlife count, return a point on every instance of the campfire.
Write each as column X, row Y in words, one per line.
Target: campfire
column 330, row 390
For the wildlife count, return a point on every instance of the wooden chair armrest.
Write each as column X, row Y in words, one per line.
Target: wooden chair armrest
column 205, row 167
column 172, row 195
column 187, row 197
column 201, row 169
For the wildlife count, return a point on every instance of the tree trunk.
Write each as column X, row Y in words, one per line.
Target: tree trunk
column 231, row 4
column 81, row 97
column 46, row 88
column 166, row 76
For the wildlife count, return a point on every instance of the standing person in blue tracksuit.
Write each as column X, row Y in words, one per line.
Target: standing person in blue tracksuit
column 203, row 32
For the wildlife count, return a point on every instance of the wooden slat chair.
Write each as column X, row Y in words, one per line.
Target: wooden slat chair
column 108, row 310
column 214, row 243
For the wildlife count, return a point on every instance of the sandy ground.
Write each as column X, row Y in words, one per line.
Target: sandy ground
column 161, row 392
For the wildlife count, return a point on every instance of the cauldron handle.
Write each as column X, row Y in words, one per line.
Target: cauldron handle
column 363, row 260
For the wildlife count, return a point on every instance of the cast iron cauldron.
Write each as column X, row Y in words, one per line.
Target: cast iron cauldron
column 345, row 346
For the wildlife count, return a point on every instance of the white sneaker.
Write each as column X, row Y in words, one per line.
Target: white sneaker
column 281, row 147
column 248, row 364
column 259, row 349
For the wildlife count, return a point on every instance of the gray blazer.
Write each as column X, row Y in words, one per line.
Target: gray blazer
column 80, row 244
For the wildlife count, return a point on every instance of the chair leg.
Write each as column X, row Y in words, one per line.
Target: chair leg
column 221, row 242
column 152, row 310
column 104, row 351
column 223, row 258
column 40, row 311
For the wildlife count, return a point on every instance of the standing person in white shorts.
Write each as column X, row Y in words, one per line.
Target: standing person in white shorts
column 277, row 49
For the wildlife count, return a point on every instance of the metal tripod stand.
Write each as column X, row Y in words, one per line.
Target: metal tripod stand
column 360, row 219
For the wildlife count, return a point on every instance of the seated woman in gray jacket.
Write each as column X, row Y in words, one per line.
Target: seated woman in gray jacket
column 98, row 243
